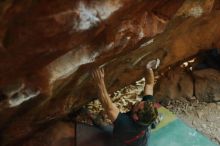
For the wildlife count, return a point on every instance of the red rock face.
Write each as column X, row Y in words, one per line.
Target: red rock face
column 40, row 38
column 217, row 5
column 33, row 34
column 47, row 49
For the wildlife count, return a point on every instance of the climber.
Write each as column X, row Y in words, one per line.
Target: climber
column 131, row 128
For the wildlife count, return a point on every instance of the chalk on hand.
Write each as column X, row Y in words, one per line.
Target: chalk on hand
column 154, row 64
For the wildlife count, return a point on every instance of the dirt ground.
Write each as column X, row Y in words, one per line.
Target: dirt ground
column 204, row 117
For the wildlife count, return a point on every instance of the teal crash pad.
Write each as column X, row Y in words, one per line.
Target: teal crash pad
column 178, row 133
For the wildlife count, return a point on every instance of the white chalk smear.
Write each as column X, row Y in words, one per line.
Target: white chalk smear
column 90, row 15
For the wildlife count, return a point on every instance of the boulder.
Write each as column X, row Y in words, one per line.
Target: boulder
column 176, row 83
column 207, row 83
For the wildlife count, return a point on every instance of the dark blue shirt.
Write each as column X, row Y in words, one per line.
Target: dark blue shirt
column 126, row 129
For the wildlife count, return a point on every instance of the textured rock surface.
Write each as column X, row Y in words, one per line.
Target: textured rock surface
column 207, row 85
column 175, row 84
column 197, row 78
column 47, row 49
column 199, row 84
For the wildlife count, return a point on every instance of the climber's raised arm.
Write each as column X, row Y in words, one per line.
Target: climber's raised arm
column 149, row 82
column 110, row 108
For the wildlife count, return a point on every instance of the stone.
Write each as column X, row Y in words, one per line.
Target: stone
column 210, row 118
column 212, row 105
column 199, row 114
column 207, row 84
column 192, row 98
column 180, row 85
column 216, row 99
column 204, row 126
column 194, row 122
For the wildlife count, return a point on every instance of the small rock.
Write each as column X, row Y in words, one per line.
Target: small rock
column 199, row 129
column 216, row 99
column 212, row 105
column 169, row 106
column 199, row 114
column 210, row 118
column 192, row 99
column 218, row 131
column 194, row 122
column 218, row 138
column 204, row 126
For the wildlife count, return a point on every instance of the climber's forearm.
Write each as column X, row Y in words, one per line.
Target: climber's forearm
column 149, row 89
column 104, row 98
column 149, row 82
column 108, row 105
column 111, row 110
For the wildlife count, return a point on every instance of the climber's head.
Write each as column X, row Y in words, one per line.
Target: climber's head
column 144, row 112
